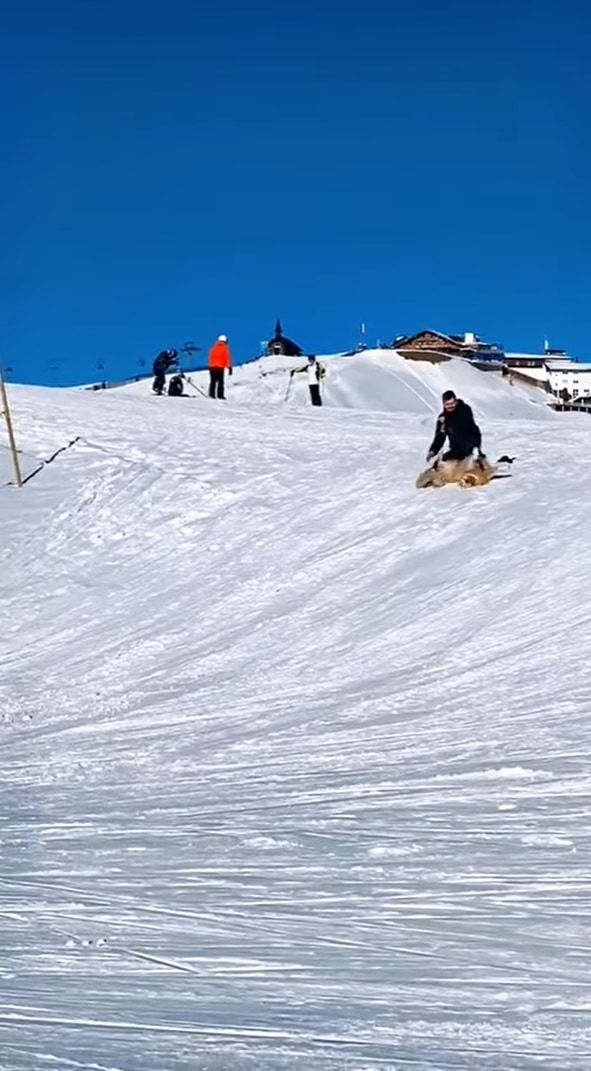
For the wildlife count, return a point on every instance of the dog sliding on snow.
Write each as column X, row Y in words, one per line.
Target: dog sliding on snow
column 464, row 463
column 467, row 472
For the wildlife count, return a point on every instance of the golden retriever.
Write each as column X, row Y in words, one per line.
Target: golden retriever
column 466, row 473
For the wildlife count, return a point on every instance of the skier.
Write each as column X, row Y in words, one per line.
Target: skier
column 165, row 360
column 316, row 373
column 220, row 359
column 456, row 424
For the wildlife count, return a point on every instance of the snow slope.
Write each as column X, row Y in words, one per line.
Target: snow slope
column 294, row 757
column 382, row 380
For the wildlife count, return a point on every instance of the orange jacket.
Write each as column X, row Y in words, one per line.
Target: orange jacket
column 220, row 356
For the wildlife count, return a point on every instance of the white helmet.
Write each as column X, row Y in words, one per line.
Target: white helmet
column 222, row 338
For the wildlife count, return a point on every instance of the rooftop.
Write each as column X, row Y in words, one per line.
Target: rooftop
column 567, row 366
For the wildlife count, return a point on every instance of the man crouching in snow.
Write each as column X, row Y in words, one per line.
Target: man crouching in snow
column 464, row 461
column 456, row 424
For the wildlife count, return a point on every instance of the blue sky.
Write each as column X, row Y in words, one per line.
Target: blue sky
column 176, row 170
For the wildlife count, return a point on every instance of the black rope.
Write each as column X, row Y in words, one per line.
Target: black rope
column 47, row 461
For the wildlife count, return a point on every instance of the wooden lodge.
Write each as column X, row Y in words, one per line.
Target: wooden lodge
column 435, row 346
column 428, row 346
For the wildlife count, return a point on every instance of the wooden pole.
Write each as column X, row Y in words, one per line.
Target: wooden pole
column 6, row 414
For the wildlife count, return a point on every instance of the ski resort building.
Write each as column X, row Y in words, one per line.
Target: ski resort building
column 526, row 360
column 435, row 346
column 568, row 377
column 553, row 371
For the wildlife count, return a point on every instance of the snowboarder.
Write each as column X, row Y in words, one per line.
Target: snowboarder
column 220, row 359
column 456, row 424
column 164, row 361
column 316, row 373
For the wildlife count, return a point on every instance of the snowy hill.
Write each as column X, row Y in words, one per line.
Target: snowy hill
column 294, row 757
column 384, row 380
column 379, row 380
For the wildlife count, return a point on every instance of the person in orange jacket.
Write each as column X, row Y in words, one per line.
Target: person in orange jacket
column 220, row 359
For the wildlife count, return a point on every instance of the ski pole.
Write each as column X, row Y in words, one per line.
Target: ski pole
column 288, row 386
column 195, row 387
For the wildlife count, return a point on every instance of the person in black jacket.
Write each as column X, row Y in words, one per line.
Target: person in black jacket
column 176, row 386
column 163, row 362
column 456, row 424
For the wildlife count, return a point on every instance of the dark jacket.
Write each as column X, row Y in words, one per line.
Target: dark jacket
column 163, row 362
column 460, row 428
